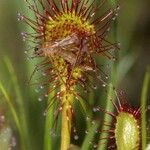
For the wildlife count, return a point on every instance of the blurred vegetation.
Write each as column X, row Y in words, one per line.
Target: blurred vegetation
column 19, row 101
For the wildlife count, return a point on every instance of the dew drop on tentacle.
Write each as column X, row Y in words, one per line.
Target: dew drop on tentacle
column 20, row 17
column 76, row 137
column 93, row 14
column 94, row 87
column 40, row 99
column 24, row 36
column 90, row 142
column 26, row 52
column 88, row 118
column 46, row 95
column 44, row 74
column 85, row 91
column 96, row 131
column 94, row 109
column 86, row 131
column 93, row 122
column 53, row 133
column 95, row 146
column 104, row 85
column 45, row 113
column 41, row 87
column 119, row 44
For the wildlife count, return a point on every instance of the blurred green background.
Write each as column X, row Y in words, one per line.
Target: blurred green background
column 131, row 29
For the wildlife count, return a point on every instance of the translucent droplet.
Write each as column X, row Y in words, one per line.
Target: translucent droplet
column 94, row 109
column 94, row 70
column 2, row 118
column 106, row 77
column 87, row 118
column 86, row 131
column 19, row 17
column 76, row 137
column 45, row 113
column 93, row 122
column 60, row 108
column 52, row 133
column 114, row 58
column 116, row 14
column 118, row 8
column 92, row 14
column 119, row 44
column 114, row 18
column 104, row 85
column 43, row 73
column 108, row 29
column 94, row 87
column 95, row 146
column 41, row 87
column 46, row 95
column 90, row 143
column 96, row 131
column 25, row 52
column 40, row 99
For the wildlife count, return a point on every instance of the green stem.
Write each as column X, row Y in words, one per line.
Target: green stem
column 48, row 125
column 143, row 107
column 65, row 126
column 107, row 118
column 87, row 141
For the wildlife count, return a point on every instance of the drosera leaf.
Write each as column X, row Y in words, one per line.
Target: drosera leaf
column 144, row 94
column 126, row 132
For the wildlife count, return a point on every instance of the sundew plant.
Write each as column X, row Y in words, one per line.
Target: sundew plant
column 74, row 75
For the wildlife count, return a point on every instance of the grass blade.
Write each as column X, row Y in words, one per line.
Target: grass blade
column 22, row 109
column 144, row 95
column 14, row 114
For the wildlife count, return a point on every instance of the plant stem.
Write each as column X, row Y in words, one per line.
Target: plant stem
column 87, row 141
column 143, row 107
column 107, row 118
column 65, row 126
column 48, row 125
